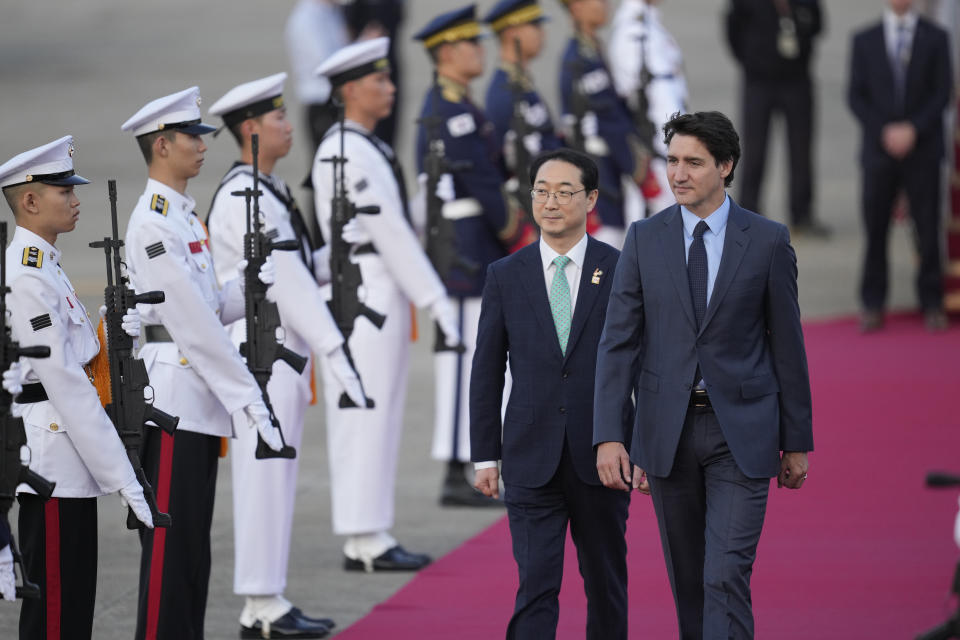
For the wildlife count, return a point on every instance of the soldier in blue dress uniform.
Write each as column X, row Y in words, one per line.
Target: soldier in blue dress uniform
column 486, row 229
column 597, row 121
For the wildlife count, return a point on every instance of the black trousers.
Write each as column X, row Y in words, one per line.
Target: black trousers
column 538, row 527
column 710, row 516
column 760, row 100
column 58, row 540
column 881, row 183
column 175, row 562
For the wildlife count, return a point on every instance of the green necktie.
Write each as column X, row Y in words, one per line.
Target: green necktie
column 560, row 305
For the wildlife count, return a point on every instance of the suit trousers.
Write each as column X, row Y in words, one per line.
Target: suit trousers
column 538, row 527
column 793, row 98
column 58, row 540
column 881, row 183
column 175, row 562
column 710, row 517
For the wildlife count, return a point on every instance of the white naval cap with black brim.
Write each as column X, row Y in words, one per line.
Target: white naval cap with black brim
column 50, row 164
column 178, row 111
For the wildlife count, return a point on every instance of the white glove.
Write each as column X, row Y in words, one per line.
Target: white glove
column 445, row 190
column 533, row 143
column 509, row 150
column 589, row 126
column 321, row 264
column 443, row 313
column 131, row 323
column 956, row 530
column 347, row 376
column 13, row 379
column 353, row 232
column 258, row 416
column 8, row 580
column 132, row 494
column 268, row 271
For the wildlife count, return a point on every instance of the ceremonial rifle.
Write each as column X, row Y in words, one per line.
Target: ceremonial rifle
column 521, row 129
column 129, row 410
column 345, row 276
column 262, row 348
column 13, row 438
column 441, row 234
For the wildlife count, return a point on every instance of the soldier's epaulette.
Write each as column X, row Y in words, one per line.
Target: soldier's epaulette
column 159, row 204
column 32, row 257
column 451, row 95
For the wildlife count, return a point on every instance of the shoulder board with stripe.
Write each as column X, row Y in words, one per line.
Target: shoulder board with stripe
column 159, row 204
column 32, row 257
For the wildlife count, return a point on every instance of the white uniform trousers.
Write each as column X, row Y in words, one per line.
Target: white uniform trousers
column 264, row 492
column 363, row 444
column 451, row 432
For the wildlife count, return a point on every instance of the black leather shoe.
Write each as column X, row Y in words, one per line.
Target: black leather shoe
column 457, row 492
column 327, row 622
column 292, row 624
column 393, row 559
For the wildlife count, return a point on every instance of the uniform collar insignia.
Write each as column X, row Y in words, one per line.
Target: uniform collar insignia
column 452, row 90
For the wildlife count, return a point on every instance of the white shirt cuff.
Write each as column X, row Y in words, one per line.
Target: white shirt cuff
column 486, row 464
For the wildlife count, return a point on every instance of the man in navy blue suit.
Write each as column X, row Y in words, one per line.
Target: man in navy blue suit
column 543, row 310
column 900, row 84
column 703, row 329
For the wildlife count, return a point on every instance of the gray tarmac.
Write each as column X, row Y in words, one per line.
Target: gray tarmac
column 84, row 68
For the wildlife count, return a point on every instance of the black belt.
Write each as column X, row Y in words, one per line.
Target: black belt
column 700, row 400
column 156, row 333
column 31, row 394
column 364, row 249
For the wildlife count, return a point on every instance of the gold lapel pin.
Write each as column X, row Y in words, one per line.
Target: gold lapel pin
column 596, row 276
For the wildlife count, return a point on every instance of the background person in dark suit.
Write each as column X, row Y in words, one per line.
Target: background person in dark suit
column 772, row 41
column 543, row 308
column 703, row 326
column 900, row 84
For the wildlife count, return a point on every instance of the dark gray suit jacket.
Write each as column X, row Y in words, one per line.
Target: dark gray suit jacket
column 750, row 347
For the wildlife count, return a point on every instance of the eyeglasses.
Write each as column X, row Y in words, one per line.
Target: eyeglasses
column 563, row 197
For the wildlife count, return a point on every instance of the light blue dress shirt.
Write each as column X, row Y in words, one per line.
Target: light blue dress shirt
column 712, row 239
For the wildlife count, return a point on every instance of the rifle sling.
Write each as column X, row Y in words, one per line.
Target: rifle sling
column 155, row 333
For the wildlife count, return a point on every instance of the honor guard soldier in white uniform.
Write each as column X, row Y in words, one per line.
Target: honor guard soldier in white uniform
column 264, row 490
column 72, row 440
column 639, row 41
column 485, row 228
column 363, row 444
column 194, row 367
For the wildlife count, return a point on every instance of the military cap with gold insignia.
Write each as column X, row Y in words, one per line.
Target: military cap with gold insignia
column 453, row 26
column 250, row 99
column 355, row 61
column 510, row 13
column 50, row 164
column 178, row 111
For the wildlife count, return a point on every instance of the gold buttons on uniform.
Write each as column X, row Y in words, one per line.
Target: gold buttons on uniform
column 183, row 360
column 54, row 426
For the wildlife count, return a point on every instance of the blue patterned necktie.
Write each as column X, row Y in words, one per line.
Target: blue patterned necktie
column 697, row 272
column 560, row 305
column 900, row 59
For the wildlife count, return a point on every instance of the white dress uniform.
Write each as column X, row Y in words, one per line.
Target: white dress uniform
column 264, row 490
column 200, row 372
column 638, row 34
column 395, row 273
column 75, row 446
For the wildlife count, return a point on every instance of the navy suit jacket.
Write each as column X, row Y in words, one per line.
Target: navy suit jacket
column 552, row 395
column 749, row 347
column 929, row 83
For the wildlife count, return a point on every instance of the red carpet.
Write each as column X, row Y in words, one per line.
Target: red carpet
column 862, row 551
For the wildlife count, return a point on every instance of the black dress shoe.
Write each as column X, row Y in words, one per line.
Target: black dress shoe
column 393, row 559
column 327, row 622
column 292, row 624
column 457, row 492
